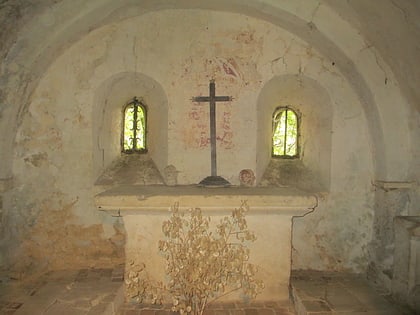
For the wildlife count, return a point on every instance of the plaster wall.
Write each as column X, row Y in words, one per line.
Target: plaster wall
column 56, row 152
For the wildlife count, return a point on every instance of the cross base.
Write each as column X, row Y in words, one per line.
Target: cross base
column 214, row 181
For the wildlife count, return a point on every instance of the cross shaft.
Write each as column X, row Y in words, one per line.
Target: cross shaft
column 212, row 99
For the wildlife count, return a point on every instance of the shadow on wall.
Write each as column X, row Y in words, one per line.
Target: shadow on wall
column 289, row 173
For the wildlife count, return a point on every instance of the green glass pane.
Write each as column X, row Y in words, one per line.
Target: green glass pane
column 141, row 130
column 285, row 133
column 279, row 133
column 128, row 127
column 291, row 134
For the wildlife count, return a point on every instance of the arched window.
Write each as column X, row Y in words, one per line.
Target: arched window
column 285, row 133
column 134, row 127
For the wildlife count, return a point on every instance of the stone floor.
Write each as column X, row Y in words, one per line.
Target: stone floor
column 70, row 292
column 257, row 308
column 100, row 291
column 325, row 293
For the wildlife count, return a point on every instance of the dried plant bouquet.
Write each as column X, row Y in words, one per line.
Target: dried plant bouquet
column 202, row 264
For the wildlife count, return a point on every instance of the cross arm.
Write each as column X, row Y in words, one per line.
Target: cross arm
column 209, row 99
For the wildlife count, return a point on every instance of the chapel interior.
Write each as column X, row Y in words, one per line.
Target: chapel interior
column 345, row 202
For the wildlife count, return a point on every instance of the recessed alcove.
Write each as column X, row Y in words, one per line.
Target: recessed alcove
column 312, row 169
column 110, row 98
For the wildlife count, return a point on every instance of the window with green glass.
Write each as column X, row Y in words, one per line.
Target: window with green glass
column 285, row 133
column 134, row 127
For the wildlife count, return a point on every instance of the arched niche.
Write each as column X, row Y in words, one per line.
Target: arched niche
column 312, row 101
column 109, row 102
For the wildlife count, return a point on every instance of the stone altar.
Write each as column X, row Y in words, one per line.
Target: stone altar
column 144, row 208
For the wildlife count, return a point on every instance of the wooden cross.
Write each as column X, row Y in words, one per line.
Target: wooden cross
column 213, row 180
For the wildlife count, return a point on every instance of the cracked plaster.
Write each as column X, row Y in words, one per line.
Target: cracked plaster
column 356, row 29
column 49, row 130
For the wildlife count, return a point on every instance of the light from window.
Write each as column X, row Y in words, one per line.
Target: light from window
column 134, row 133
column 285, row 133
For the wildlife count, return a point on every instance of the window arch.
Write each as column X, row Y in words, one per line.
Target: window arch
column 285, row 138
column 134, row 127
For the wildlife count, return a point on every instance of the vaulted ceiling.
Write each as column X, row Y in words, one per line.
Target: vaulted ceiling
column 34, row 32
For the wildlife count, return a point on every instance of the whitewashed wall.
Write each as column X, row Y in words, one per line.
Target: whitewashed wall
column 69, row 135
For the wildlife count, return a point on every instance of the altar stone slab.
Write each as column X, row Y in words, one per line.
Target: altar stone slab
column 161, row 198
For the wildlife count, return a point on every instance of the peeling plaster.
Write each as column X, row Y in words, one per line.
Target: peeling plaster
column 379, row 58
